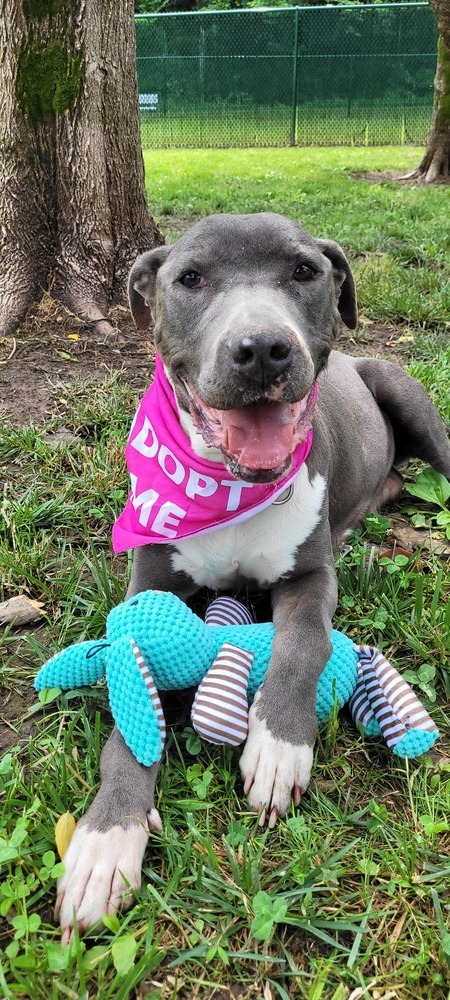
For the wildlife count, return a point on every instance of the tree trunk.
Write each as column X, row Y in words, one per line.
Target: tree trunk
column 435, row 165
column 73, row 213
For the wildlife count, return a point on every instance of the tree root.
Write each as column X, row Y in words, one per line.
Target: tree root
column 427, row 176
column 434, row 167
column 89, row 314
column 16, row 304
column 13, row 311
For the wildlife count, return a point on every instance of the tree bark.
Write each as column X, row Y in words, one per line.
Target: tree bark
column 435, row 165
column 73, row 213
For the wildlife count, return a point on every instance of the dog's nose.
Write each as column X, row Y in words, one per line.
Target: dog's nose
column 262, row 356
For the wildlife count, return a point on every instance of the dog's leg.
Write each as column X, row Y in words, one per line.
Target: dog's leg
column 108, row 845
column 277, row 758
column 107, row 848
column 419, row 431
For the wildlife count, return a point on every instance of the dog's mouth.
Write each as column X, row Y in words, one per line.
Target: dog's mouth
column 257, row 441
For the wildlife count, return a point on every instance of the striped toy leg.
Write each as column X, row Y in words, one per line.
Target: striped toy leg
column 220, row 709
column 359, row 704
column 227, row 611
column 392, row 701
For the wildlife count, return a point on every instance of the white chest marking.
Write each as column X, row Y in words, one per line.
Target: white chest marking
column 261, row 549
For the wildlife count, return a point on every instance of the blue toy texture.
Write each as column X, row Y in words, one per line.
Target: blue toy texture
column 179, row 648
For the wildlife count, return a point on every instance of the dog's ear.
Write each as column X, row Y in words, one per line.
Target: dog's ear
column 142, row 285
column 343, row 280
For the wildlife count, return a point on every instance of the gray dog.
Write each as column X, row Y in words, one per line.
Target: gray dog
column 246, row 310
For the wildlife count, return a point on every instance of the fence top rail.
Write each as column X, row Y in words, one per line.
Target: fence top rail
column 311, row 7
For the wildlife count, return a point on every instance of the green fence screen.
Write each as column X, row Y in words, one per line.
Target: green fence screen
column 344, row 75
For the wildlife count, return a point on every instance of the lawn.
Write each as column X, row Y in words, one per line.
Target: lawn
column 348, row 898
column 339, row 123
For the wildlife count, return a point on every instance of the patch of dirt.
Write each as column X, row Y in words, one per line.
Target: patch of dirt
column 54, row 347
column 371, row 339
column 397, row 177
column 15, row 726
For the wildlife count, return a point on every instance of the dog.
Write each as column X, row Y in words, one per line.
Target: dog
column 246, row 309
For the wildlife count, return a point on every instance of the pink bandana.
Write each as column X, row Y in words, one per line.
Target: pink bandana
column 175, row 493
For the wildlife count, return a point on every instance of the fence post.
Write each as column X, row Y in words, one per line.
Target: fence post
column 293, row 135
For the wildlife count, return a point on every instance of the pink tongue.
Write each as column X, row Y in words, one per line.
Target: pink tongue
column 260, row 437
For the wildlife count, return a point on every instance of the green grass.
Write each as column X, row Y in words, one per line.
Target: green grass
column 351, row 891
column 318, row 124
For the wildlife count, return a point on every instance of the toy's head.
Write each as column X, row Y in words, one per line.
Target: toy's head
column 169, row 635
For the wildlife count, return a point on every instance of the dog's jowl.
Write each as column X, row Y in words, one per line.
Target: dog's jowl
column 250, row 405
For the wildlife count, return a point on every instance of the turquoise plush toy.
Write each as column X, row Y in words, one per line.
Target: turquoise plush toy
column 155, row 642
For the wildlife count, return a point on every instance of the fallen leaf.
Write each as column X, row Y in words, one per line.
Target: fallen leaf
column 66, row 356
column 418, row 538
column 64, row 831
column 397, row 929
column 73, row 336
column 20, row 610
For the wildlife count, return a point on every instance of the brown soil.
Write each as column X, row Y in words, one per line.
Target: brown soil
column 377, row 340
column 53, row 347
column 14, row 724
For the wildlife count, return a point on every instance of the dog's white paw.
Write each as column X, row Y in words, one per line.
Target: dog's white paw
column 274, row 771
column 96, row 865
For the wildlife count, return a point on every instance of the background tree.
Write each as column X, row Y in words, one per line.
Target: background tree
column 73, row 211
column 435, row 165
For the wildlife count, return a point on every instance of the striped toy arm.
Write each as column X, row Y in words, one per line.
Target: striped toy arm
column 220, row 710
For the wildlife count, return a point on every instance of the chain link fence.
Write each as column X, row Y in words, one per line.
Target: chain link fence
column 330, row 76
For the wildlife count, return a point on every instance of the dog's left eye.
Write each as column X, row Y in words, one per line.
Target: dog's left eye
column 192, row 279
column 303, row 272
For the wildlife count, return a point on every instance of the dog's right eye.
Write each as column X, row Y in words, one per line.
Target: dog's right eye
column 192, row 279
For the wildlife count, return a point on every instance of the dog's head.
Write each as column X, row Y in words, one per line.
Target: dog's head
column 245, row 309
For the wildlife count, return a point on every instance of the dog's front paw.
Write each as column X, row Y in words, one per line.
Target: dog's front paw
column 97, row 865
column 275, row 772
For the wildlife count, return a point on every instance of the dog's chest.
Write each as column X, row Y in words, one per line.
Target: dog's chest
column 262, row 549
